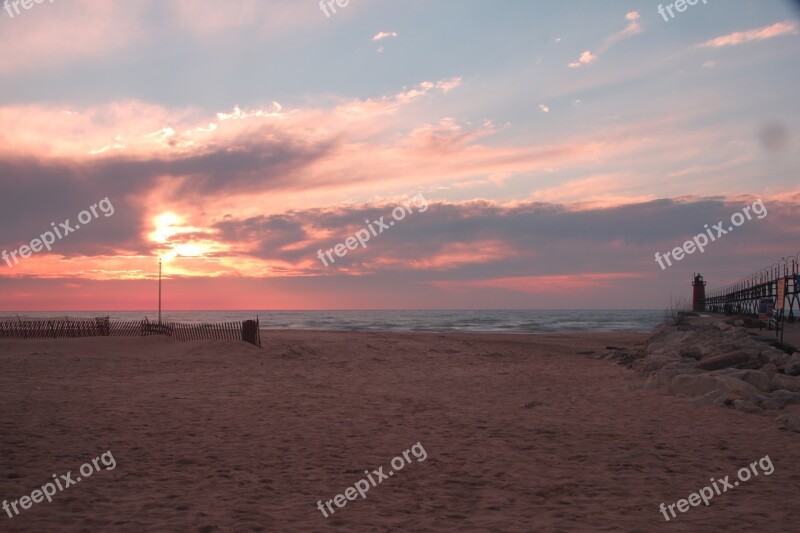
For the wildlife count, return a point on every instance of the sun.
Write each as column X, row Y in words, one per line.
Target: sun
column 166, row 225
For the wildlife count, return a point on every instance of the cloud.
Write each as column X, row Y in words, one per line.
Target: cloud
column 759, row 34
column 633, row 28
column 586, row 58
column 92, row 32
column 81, row 31
column 490, row 244
column 453, row 252
column 384, row 35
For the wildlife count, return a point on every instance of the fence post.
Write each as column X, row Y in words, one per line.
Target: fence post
column 250, row 332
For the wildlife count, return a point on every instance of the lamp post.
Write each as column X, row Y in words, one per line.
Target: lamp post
column 159, row 291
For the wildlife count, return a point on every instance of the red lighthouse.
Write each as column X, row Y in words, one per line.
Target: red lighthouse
column 698, row 294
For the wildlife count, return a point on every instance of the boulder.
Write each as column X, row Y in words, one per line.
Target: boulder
column 779, row 399
column 724, row 372
column 710, row 348
column 782, row 381
column 793, row 365
column 773, row 356
column 770, row 370
column 714, row 397
column 651, row 363
column 691, row 352
column 669, row 343
column 739, row 332
column 726, row 360
column 738, row 323
column 722, row 326
column 746, row 407
column 700, row 384
column 655, row 348
column 664, row 376
column 661, row 332
column 759, row 380
column 789, row 422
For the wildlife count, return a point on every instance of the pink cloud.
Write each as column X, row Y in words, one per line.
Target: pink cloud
column 759, row 34
column 62, row 33
column 384, row 35
column 586, row 58
column 633, row 28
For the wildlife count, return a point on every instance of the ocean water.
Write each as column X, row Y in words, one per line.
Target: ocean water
column 492, row 321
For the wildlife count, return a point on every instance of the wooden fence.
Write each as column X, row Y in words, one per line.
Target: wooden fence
column 66, row 327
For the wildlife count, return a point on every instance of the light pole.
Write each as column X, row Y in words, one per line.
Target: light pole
column 159, row 291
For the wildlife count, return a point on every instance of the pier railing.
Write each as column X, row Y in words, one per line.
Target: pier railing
column 774, row 287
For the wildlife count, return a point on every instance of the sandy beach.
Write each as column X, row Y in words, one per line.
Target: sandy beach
column 521, row 433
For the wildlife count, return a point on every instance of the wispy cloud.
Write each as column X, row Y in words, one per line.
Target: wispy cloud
column 630, row 30
column 633, row 28
column 758, row 34
column 587, row 58
column 384, row 35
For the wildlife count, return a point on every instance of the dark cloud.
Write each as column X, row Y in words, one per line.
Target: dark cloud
column 34, row 193
column 541, row 239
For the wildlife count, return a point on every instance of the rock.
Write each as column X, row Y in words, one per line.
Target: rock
column 664, row 376
column 715, row 397
column 725, row 360
column 779, row 399
column 661, row 332
column 746, row 407
column 691, row 352
column 655, row 348
column 789, row 422
column 700, row 384
column 679, row 365
column 759, row 380
column 668, row 344
column 724, row 372
column 651, row 363
column 770, row 370
column 773, row 356
column 793, row 365
column 738, row 323
column 722, row 326
column 710, row 348
column 755, row 323
column 782, row 381
column 630, row 358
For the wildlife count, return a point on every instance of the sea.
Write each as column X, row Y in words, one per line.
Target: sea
column 477, row 321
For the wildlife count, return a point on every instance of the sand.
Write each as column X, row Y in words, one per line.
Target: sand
column 521, row 434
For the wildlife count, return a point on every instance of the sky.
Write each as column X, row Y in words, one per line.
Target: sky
column 516, row 154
